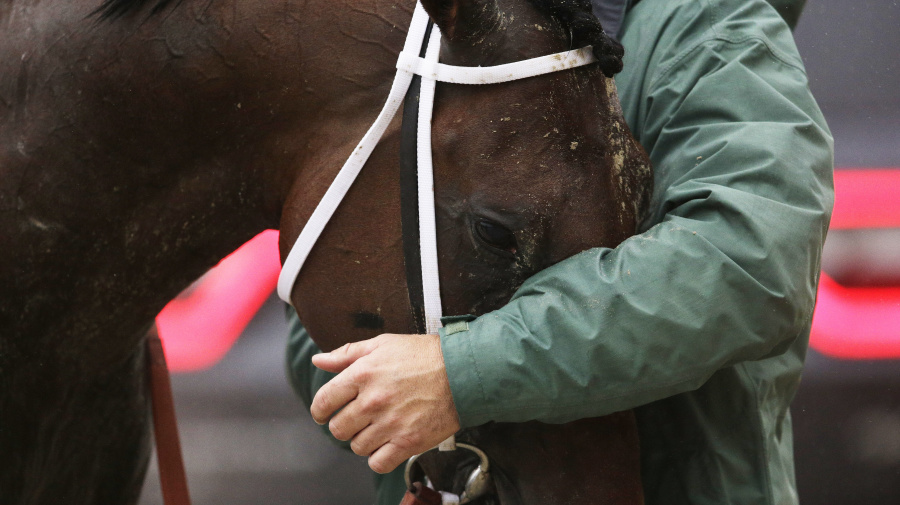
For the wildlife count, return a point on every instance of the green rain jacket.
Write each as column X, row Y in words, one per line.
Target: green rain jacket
column 701, row 322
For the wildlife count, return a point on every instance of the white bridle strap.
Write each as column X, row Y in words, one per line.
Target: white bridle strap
column 431, row 284
column 344, row 179
column 411, row 62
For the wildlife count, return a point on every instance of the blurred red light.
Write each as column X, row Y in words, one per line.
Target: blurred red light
column 199, row 327
column 866, row 198
column 860, row 323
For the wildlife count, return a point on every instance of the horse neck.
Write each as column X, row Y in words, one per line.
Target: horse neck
column 288, row 91
column 147, row 149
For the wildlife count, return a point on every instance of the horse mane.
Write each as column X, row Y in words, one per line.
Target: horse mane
column 575, row 15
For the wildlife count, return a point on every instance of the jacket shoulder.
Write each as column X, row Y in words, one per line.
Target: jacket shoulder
column 658, row 33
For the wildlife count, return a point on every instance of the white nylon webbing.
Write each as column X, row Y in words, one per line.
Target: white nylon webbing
column 351, row 168
column 431, row 284
column 411, row 62
column 449, row 498
column 427, row 228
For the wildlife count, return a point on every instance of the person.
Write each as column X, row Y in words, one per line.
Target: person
column 706, row 313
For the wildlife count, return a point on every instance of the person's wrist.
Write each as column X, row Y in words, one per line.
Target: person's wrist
column 450, row 413
column 463, row 381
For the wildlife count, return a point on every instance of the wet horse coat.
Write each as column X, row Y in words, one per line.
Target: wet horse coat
column 135, row 153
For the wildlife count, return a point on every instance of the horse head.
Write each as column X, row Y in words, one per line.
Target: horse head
column 527, row 173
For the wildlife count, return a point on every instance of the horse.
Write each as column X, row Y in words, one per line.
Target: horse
column 143, row 140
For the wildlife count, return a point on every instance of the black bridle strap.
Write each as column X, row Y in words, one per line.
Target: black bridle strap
column 409, row 195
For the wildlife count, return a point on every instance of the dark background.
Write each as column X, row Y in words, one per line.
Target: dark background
column 247, row 439
column 851, row 49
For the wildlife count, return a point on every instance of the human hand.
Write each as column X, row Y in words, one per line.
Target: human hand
column 393, row 394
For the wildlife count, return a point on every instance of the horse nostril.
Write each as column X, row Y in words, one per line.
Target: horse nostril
column 496, row 236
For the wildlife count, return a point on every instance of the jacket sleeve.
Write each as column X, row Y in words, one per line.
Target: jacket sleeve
column 305, row 378
column 726, row 273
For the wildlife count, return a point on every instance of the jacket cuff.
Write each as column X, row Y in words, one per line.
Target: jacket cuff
column 462, row 370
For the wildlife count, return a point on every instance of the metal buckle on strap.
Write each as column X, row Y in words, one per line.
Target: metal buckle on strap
column 478, row 483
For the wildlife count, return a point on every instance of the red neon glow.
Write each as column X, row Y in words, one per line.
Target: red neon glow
column 856, row 323
column 866, row 198
column 860, row 322
column 201, row 325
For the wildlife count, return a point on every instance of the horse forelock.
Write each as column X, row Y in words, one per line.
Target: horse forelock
column 577, row 16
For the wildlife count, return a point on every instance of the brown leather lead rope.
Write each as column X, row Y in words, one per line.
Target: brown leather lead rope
column 421, row 495
column 172, row 477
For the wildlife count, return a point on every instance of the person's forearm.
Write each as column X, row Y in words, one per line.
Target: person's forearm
column 611, row 330
column 728, row 274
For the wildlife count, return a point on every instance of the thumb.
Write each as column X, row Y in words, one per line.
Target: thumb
column 342, row 357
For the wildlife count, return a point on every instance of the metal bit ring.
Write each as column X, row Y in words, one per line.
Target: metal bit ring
column 476, row 484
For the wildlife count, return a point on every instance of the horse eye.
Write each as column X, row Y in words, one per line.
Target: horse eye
column 496, row 236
